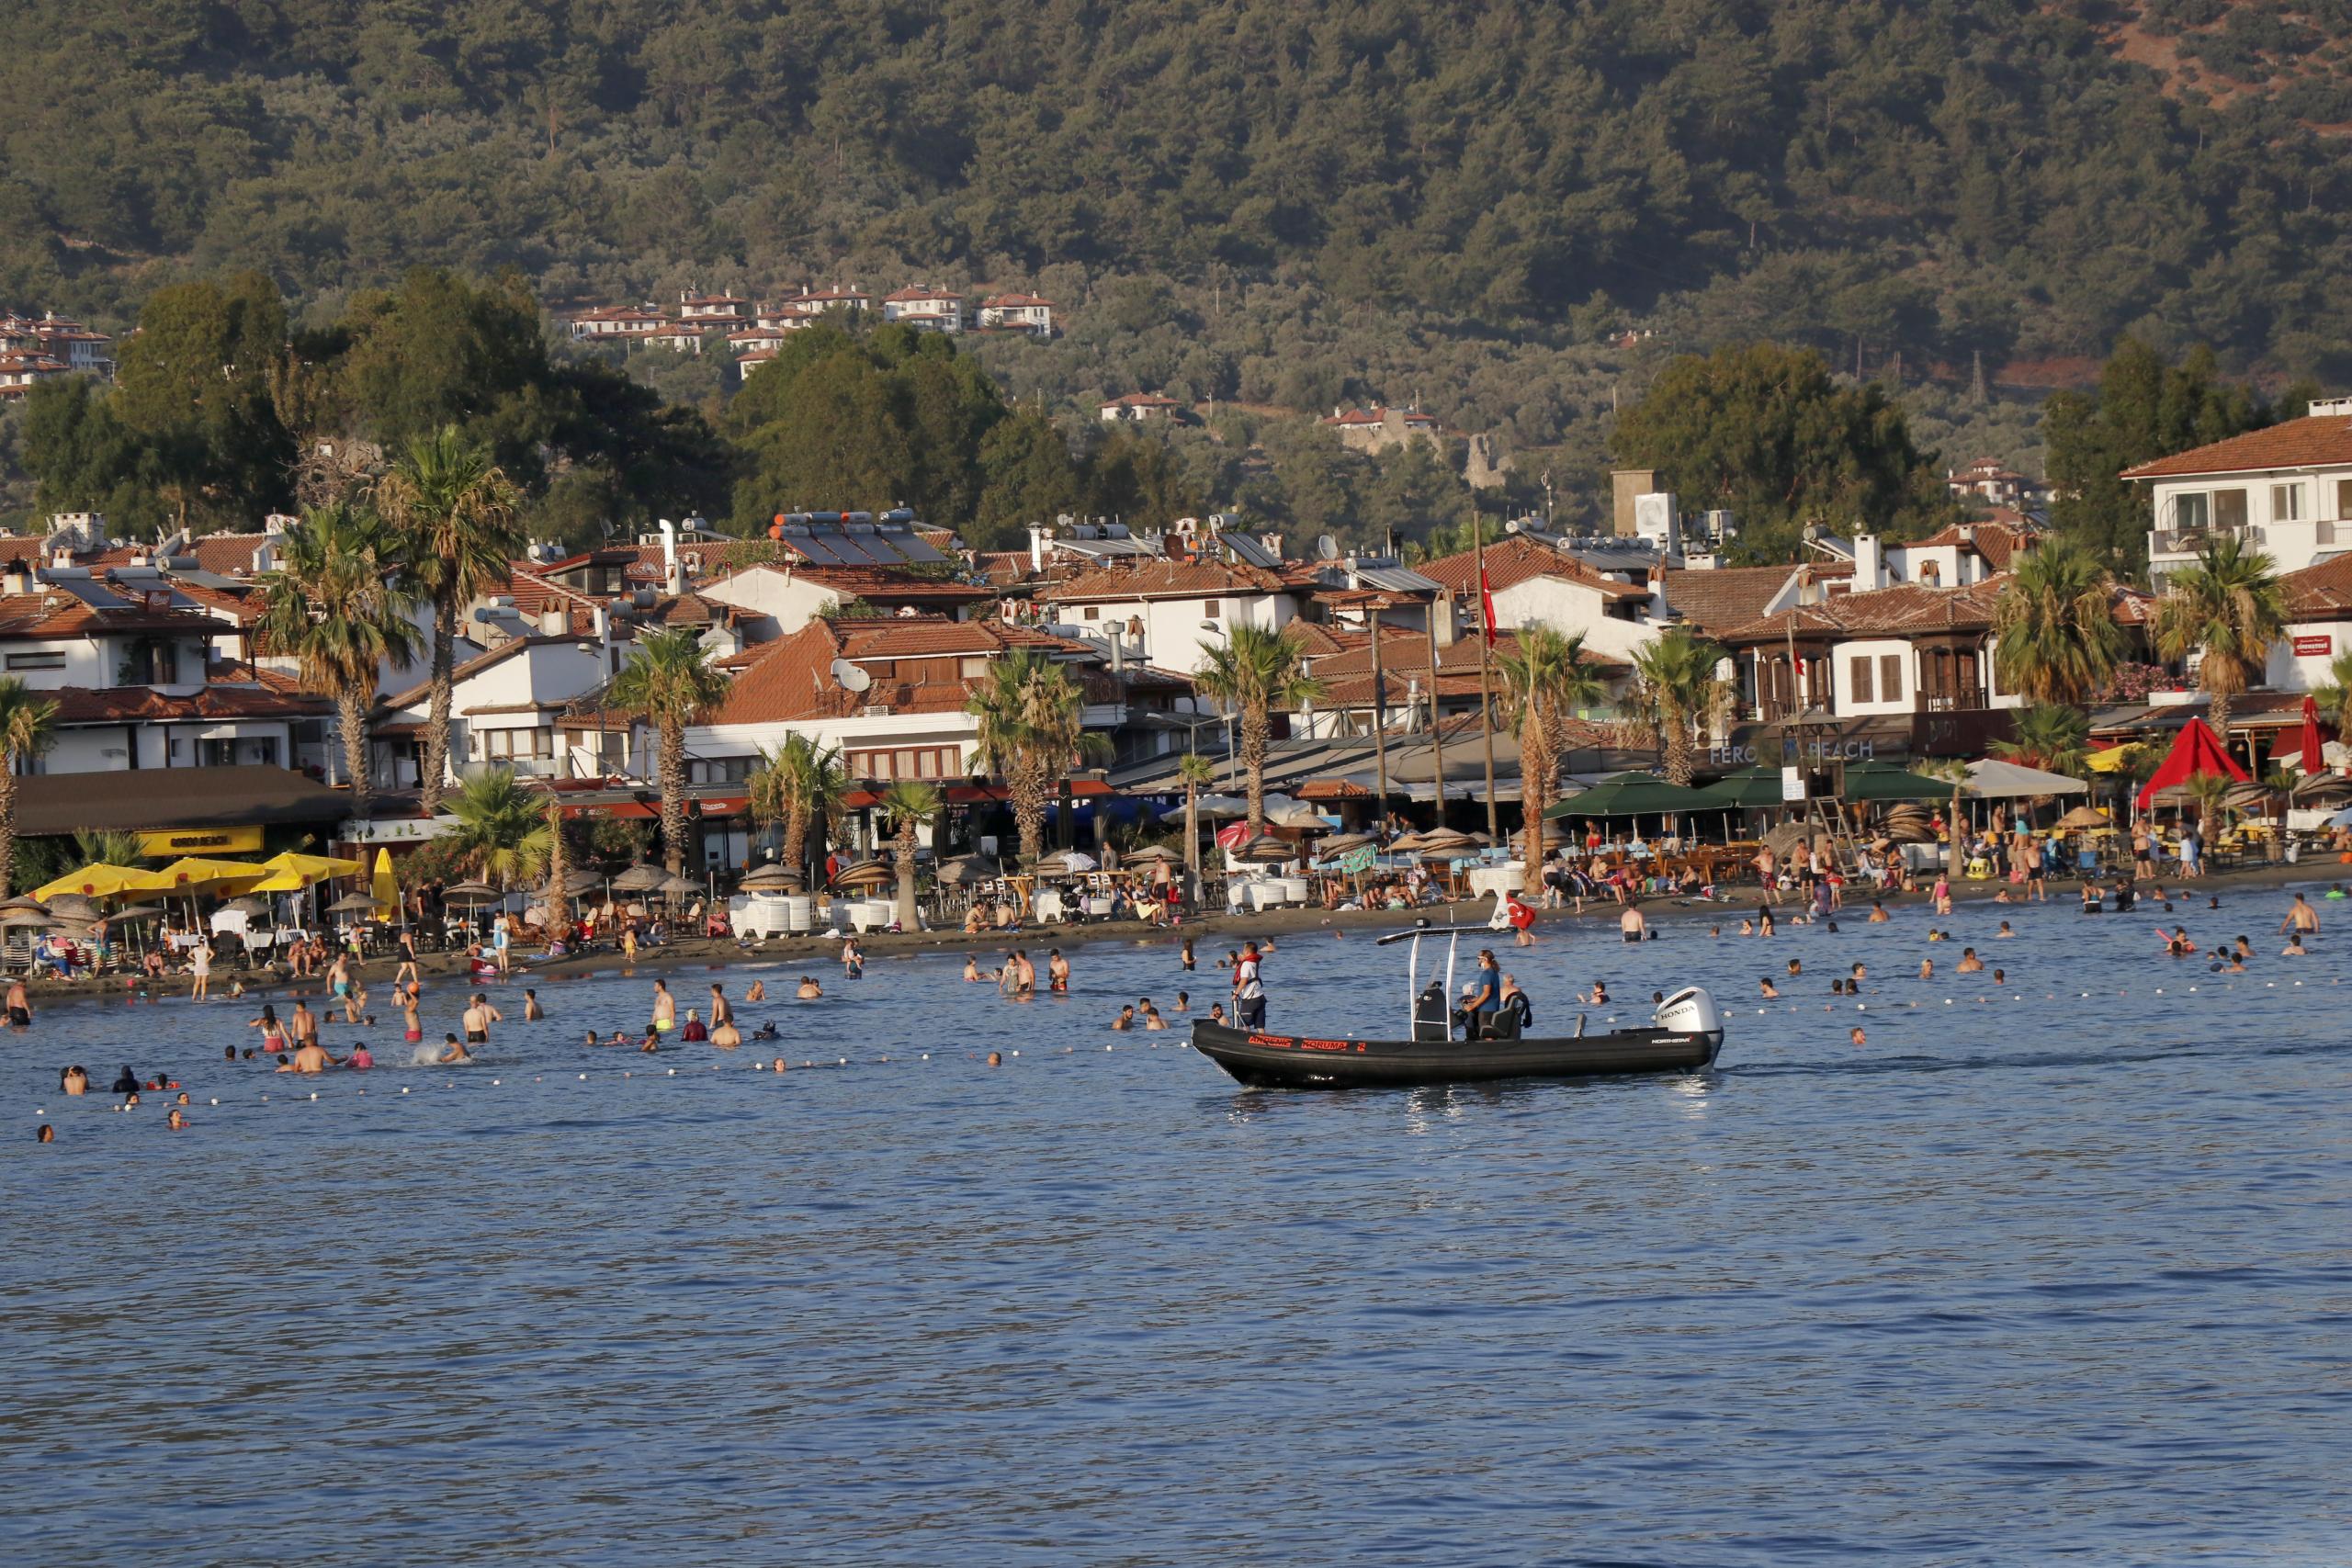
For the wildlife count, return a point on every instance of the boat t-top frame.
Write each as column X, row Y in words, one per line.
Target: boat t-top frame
column 1453, row 935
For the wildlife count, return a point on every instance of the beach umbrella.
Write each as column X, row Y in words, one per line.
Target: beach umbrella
column 317, row 868
column 2196, row 751
column 1874, row 781
column 353, row 904
column 382, row 885
column 641, row 878
column 1294, row 814
column 1446, row 839
column 772, row 879
column 579, row 882
column 2081, row 819
column 1149, row 852
column 21, row 901
column 865, row 873
column 1630, row 795
column 249, row 907
column 1749, row 788
column 74, row 907
column 136, row 913
column 963, row 871
column 1992, row 779
column 1266, row 848
column 1340, row 843
column 1405, row 844
column 1066, row 861
column 1233, row 835
column 467, row 895
column 2303, row 744
column 29, row 919
column 102, row 881
column 195, row 874
column 678, row 887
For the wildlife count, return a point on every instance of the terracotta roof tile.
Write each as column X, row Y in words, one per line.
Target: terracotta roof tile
column 1514, row 559
column 2309, row 442
column 1715, row 599
column 2323, row 592
column 1905, row 607
column 1163, row 579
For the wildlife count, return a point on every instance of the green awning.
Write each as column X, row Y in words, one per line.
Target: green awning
column 1749, row 787
column 1629, row 795
column 1884, row 781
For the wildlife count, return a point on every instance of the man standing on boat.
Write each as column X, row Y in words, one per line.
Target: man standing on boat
column 1248, row 989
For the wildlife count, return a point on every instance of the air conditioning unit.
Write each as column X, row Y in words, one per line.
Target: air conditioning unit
column 875, row 710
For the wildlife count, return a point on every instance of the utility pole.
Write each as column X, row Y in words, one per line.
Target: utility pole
column 1486, row 703
column 1379, row 716
column 1436, row 741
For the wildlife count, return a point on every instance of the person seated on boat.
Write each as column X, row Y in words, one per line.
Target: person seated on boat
column 1514, row 1014
column 1485, row 995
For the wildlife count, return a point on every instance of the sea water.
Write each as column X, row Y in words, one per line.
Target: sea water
column 2053, row 1268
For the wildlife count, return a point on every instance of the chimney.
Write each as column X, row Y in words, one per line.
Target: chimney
column 1037, row 547
column 555, row 621
column 672, row 581
column 1441, row 618
column 1660, row 609
column 1870, row 563
column 15, row 578
column 603, row 623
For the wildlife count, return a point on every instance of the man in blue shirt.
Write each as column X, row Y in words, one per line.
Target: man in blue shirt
column 1480, row 1009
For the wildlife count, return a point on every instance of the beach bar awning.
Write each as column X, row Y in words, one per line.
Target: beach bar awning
column 1631, row 795
column 1992, row 779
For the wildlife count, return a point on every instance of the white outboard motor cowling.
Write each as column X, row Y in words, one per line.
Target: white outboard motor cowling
column 1689, row 1011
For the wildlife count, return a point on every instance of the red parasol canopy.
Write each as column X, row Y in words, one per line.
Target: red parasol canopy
column 2195, row 750
column 2302, row 745
column 1233, row 835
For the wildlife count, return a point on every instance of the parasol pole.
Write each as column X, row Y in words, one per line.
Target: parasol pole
column 1379, row 720
column 1486, row 702
column 1437, row 739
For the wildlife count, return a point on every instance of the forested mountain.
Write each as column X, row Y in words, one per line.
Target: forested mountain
column 1483, row 206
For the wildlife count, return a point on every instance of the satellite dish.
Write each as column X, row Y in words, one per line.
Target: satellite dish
column 849, row 676
column 1327, row 547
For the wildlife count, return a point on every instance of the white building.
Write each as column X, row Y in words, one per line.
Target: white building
column 1171, row 612
column 2285, row 491
column 622, row 321
column 1139, row 408
column 1018, row 312
column 925, row 308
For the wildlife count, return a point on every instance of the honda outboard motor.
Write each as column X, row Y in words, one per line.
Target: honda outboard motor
column 1692, row 1010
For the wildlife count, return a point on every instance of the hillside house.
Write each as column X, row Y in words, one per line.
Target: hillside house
column 1139, row 408
column 627, row 322
column 1376, row 429
column 1991, row 482
column 925, row 308
column 21, row 372
column 2285, row 491
column 714, row 310
column 1018, row 313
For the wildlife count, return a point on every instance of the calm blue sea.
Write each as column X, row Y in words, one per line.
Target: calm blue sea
column 2056, row 1270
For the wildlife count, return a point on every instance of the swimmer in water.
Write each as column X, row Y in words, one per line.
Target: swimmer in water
column 1597, row 997
column 2177, row 944
column 1796, row 967
column 1188, row 955
column 48, row 1135
column 532, row 1011
column 1151, row 1019
column 767, row 1032
column 1877, row 914
column 2004, row 931
column 809, row 990
column 1056, row 972
column 1126, row 1019
column 2000, row 978
column 1747, row 927
column 972, row 970
column 1183, row 1002
column 453, row 1051
column 591, row 1040
column 176, row 1122
column 1856, row 1035
column 1765, row 989
column 1969, row 962
column 758, row 993
column 2294, row 947
column 478, row 1018
column 1927, row 968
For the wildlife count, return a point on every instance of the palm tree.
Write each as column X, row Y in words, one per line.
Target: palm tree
column 1254, row 671
column 459, row 518
column 1676, row 685
column 2229, row 608
column 908, row 805
column 558, row 863
column 797, row 783
column 2335, row 699
column 24, row 733
column 106, row 846
column 2053, row 737
column 1197, row 772
column 670, row 681
column 1954, row 770
column 2055, row 639
column 504, row 830
column 338, row 605
column 1546, row 679
column 1032, row 730
column 2210, row 792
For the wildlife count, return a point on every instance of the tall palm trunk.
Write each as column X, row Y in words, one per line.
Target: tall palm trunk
column 674, row 797
column 351, row 715
column 7, row 824
column 906, row 875
column 1678, row 749
column 1257, row 730
column 1028, row 781
column 437, row 718
column 558, row 865
column 796, row 837
column 1537, row 768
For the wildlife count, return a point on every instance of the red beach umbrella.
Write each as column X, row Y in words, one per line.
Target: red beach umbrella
column 2196, row 750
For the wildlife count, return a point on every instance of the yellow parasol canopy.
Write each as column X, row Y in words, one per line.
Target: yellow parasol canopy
column 102, row 881
column 382, row 886
column 281, row 881
column 197, row 875
column 315, row 868
column 2107, row 761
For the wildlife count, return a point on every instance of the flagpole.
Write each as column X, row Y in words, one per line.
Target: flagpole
column 1486, row 703
column 1436, row 741
column 1379, row 723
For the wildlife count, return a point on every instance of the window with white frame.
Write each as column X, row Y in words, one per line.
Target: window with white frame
column 2287, row 503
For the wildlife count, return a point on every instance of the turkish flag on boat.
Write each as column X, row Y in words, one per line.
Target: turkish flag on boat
column 1485, row 606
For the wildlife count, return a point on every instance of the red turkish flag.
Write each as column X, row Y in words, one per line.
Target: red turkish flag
column 1485, row 607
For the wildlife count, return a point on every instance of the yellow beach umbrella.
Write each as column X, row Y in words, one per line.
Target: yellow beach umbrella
column 281, row 881
column 2107, row 761
column 382, row 887
column 194, row 873
column 102, row 881
column 317, row 868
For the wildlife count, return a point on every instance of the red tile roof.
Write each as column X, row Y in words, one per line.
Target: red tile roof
column 1514, row 559
column 222, row 555
column 2321, row 592
column 1996, row 541
column 58, row 615
column 1163, row 579
column 2311, row 442
column 129, row 704
column 792, row 679
column 1904, row 608
column 1713, row 599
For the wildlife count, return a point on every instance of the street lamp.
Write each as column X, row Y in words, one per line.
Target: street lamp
column 1217, row 629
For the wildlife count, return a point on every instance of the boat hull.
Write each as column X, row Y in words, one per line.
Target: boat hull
column 1261, row 1058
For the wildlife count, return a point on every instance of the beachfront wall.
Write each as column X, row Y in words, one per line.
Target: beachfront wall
column 107, row 748
column 1569, row 607
column 935, row 746
column 2299, row 661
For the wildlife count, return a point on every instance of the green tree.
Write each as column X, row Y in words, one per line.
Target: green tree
column 2052, row 736
column 439, row 351
column 1545, row 680
column 455, row 514
column 1253, row 671
column 669, row 682
column 1032, row 731
column 502, row 828
column 799, row 784
column 1678, row 690
column 338, row 604
column 1198, row 772
column 1766, row 431
column 2055, row 638
column 1026, row 477
column 2228, row 610
column 26, row 721
column 908, row 805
